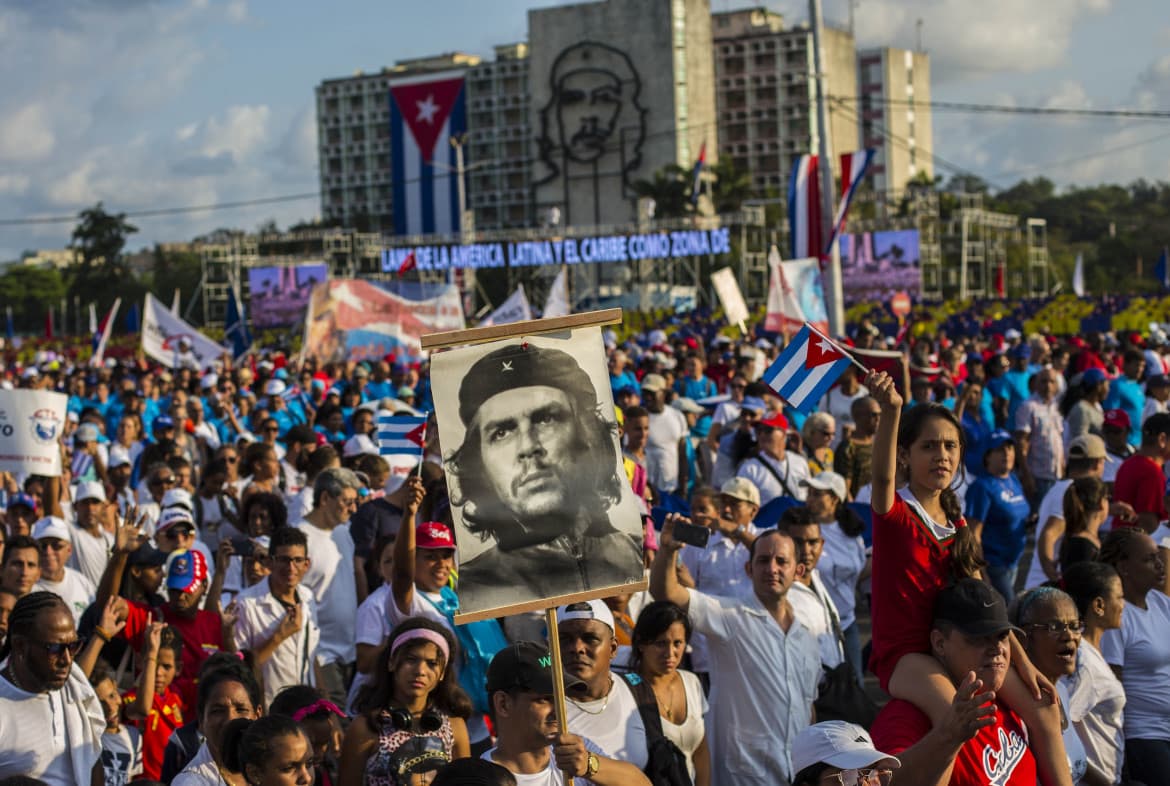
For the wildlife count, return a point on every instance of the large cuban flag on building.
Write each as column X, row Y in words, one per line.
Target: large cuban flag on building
column 425, row 112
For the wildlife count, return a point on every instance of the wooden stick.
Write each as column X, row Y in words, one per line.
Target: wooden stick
column 532, row 327
column 558, row 675
column 839, row 348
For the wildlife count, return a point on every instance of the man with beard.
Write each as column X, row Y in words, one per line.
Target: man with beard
column 537, row 474
column 51, row 721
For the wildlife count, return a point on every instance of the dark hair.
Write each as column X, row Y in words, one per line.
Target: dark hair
column 215, row 467
column 1131, row 354
column 704, row 492
column 1077, row 466
column 447, row 696
column 23, row 619
column 966, row 552
column 1117, row 545
column 101, row 671
column 766, row 533
column 655, row 620
column 599, row 484
column 249, row 742
column 296, row 697
column 324, row 413
column 474, row 772
column 320, row 460
column 277, row 511
column 1155, row 426
column 18, row 543
column 796, row 516
column 287, row 536
column 1075, row 394
column 178, row 462
column 171, row 639
column 1082, row 498
column 1086, row 581
column 810, row 775
column 21, row 780
column 254, row 453
column 849, row 521
column 635, row 411
column 229, row 668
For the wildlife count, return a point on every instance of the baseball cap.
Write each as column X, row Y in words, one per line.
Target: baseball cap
column 827, row 481
column 86, row 432
column 23, row 499
column 997, row 439
column 586, row 610
column 178, row 498
column 433, row 535
column 838, row 744
column 208, row 381
column 754, row 403
column 274, row 387
column 1093, row 376
column 173, row 517
column 358, row 445
column 147, row 555
column 1117, row 418
column 653, row 382
column 161, row 422
column 90, row 490
column 525, row 667
column 51, row 527
column 1022, row 351
column 186, row 569
column 406, row 391
column 973, row 607
column 1087, row 446
column 1011, row 334
column 687, row 405
column 1158, row 381
column 777, row 421
column 119, row 457
column 741, row 488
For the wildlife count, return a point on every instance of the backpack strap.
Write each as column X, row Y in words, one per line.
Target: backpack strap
column 647, row 706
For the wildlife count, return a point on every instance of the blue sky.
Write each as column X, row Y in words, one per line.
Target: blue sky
column 162, row 103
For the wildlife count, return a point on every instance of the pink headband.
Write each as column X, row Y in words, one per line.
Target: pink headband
column 321, row 705
column 425, row 634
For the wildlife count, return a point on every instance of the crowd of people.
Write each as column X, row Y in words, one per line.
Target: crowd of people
column 229, row 584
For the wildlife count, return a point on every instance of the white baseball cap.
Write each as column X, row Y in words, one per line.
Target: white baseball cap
column 357, row 445
column 172, row 516
column 178, row 498
column 828, row 481
column 586, row 610
column 90, row 490
column 741, row 488
column 52, row 527
column 838, row 744
column 119, row 456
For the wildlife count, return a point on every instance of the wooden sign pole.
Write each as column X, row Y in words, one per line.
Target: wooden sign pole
column 554, row 650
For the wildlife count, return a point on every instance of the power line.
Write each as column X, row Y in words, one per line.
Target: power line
column 1087, row 157
column 166, row 211
column 956, row 106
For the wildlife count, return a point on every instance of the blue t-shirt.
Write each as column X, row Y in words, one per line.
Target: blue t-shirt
column 1016, row 383
column 976, row 431
column 376, row 391
column 696, row 389
column 1002, row 507
column 624, row 379
column 1126, row 394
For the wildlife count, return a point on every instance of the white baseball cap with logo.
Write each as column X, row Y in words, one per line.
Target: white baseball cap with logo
column 586, row 610
column 846, row 746
column 52, row 527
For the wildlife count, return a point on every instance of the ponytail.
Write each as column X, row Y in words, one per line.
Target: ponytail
column 966, row 551
column 249, row 742
column 1081, row 500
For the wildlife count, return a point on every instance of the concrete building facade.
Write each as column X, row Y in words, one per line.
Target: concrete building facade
column 894, row 108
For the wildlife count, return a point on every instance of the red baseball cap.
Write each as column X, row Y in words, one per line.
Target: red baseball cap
column 777, row 421
column 433, row 535
column 1116, row 418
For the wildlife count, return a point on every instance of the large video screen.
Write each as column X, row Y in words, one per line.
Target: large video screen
column 874, row 265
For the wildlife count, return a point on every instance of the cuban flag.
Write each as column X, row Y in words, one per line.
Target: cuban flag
column 698, row 172
column 853, row 168
column 425, row 112
column 806, row 369
column 1161, row 269
column 401, row 434
column 804, row 209
column 235, row 324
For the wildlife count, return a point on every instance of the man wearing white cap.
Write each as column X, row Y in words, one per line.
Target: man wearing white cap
column 605, row 710
column 92, row 543
column 836, row 752
column 55, row 542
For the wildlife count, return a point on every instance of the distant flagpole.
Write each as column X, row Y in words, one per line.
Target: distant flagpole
column 1078, row 281
column 107, row 327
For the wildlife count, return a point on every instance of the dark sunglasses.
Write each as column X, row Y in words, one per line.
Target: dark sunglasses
column 59, row 648
column 164, row 481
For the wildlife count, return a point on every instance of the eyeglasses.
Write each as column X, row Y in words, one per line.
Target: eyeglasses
column 59, row 648
column 231, row 459
column 738, row 386
column 164, row 481
column 861, row 777
column 1057, row 627
column 286, row 560
column 272, row 429
column 54, row 544
column 827, row 433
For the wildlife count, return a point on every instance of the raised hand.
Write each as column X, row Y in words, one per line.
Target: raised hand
column 970, row 711
column 882, row 390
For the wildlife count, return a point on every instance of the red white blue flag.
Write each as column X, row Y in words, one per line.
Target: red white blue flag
column 699, row 164
column 806, row 369
column 425, row 112
column 398, row 434
column 853, row 168
column 804, row 209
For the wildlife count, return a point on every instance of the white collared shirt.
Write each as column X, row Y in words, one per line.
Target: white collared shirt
column 793, row 469
column 291, row 662
column 718, row 569
column 763, row 684
column 815, row 610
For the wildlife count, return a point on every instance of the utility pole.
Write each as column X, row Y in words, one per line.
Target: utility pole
column 833, row 291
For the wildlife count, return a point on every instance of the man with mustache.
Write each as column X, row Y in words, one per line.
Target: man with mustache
column 537, row 474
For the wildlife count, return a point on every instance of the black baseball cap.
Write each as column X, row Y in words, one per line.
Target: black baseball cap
column 973, row 607
column 525, row 667
column 147, row 555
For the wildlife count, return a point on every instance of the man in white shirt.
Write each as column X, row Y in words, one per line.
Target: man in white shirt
column 54, row 540
column 666, row 451
column 277, row 618
column 529, row 743
column 752, row 722
column 776, row 471
column 330, row 576
column 808, row 596
column 51, row 721
column 92, row 543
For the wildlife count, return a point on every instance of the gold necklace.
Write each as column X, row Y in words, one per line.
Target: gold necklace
column 604, row 704
column 667, row 711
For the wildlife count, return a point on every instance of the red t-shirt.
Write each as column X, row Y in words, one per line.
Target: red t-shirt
column 202, row 635
column 1140, row 482
column 997, row 755
column 911, row 563
column 166, row 715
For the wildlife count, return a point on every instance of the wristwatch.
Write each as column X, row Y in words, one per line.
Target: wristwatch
column 592, row 765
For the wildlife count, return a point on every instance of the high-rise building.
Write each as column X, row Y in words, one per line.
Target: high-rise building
column 766, row 93
column 894, row 106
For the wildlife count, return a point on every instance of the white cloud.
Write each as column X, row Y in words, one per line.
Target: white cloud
column 25, row 134
column 239, row 132
column 14, row 184
column 237, row 11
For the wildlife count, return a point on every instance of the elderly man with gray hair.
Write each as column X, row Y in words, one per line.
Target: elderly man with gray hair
column 331, row 577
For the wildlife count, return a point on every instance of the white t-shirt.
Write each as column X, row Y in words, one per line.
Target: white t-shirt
column 792, row 469
column 613, row 723
column 291, row 663
column 815, row 611
column 840, row 406
column 90, row 554
column 1052, row 506
column 1078, row 763
column 667, row 428
column 1142, row 649
column 689, row 734
column 200, row 771
column 717, row 570
column 299, row 504
column 550, row 776
column 840, row 566
column 75, row 589
column 36, row 732
column 331, row 580
column 727, row 412
column 1096, row 708
column 122, row 755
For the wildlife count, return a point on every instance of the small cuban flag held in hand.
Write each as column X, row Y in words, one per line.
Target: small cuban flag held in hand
column 807, row 368
column 401, row 434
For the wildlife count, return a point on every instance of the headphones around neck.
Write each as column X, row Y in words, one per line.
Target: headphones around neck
column 403, row 720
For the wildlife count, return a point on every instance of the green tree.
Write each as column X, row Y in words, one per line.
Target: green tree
column 732, row 186
column 98, row 241
column 181, row 270
column 670, row 188
column 31, row 291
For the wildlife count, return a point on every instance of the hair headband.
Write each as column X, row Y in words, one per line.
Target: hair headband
column 321, row 705
column 426, row 634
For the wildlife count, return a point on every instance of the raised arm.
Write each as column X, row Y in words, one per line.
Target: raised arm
column 885, row 441
column 931, row 760
column 402, row 585
column 127, row 538
column 664, row 584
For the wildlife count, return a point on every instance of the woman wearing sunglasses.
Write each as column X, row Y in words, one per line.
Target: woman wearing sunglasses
column 836, row 753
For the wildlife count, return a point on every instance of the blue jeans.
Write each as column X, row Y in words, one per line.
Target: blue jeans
column 1004, row 580
column 1148, row 761
column 852, row 643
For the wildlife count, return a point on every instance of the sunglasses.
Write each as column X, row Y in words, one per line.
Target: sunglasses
column 164, row 481
column 55, row 545
column 861, row 777
column 1057, row 627
column 59, row 648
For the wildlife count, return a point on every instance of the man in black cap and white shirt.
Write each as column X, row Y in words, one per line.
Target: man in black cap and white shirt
column 529, row 743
